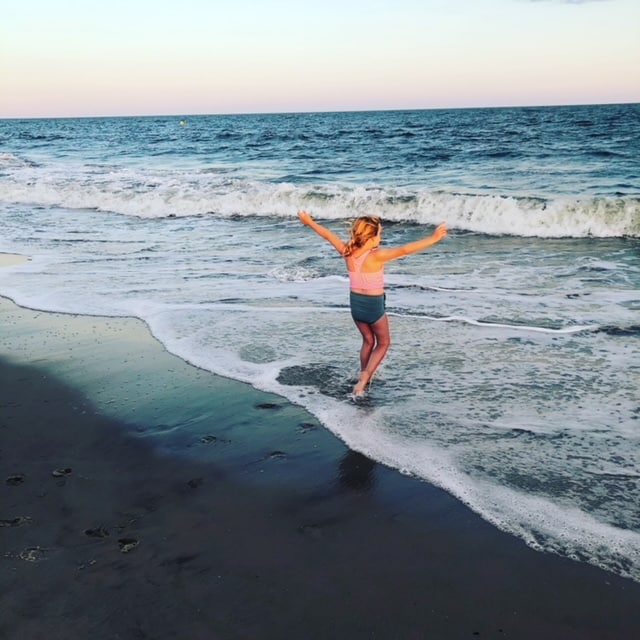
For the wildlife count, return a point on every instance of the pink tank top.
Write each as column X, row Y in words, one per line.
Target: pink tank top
column 365, row 281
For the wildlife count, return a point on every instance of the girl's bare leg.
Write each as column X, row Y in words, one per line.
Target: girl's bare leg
column 368, row 343
column 376, row 341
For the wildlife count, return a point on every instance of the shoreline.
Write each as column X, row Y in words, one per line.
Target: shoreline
column 242, row 518
column 9, row 259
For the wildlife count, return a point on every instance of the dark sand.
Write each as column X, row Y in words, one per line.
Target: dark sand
column 252, row 521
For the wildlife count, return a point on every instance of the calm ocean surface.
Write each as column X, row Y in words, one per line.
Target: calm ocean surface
column 514, row 375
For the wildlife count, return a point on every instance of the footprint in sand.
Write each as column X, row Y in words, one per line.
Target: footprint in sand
column 210, row 439
column 15, row 522
column 127, row 544
column 268, row 405
column 98, row 532
column 61, row 473
column 33, row 554
column 304, row 427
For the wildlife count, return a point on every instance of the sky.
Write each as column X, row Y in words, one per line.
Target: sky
column 183, row 57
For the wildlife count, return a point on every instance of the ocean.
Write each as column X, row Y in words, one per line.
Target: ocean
column 513, row 376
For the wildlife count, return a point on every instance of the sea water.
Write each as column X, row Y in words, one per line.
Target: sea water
column 513, row 379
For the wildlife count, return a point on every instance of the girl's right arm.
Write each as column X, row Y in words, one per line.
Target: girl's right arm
column 323, row 232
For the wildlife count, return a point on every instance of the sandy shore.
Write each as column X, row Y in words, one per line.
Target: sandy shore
column 8, row 259
column 143, row 498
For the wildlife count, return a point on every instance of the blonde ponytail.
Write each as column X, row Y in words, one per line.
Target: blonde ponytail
column 362, row 229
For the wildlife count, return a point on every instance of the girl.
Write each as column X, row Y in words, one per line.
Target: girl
column 365, row 264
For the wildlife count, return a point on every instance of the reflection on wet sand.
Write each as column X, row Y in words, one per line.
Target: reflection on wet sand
column 356, row 472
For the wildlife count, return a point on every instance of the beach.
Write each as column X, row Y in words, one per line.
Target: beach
column 273, row 528
column 512, row 381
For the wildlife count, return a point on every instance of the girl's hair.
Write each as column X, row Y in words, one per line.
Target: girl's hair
column 361, row 230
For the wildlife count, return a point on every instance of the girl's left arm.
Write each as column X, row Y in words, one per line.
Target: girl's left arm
column 323, row 232
column 393, row 253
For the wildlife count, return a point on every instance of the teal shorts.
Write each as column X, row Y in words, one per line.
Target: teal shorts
column 365, row 308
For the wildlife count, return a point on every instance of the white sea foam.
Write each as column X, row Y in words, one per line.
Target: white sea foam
column 500, row 325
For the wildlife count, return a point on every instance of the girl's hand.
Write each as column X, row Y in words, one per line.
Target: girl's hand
column 304, row 216
column 440, row 232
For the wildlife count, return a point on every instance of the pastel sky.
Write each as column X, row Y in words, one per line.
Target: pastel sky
column 138, row 57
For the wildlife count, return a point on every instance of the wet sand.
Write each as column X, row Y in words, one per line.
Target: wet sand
column 143, row 498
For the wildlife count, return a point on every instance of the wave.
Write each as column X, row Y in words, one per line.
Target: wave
column 159, row 194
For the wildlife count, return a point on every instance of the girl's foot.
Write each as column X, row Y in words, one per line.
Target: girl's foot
column 358, row 390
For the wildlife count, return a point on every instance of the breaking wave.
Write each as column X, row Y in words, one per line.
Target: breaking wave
column 159, row 194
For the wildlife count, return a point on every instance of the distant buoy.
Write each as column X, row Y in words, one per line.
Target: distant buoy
column 183, row 122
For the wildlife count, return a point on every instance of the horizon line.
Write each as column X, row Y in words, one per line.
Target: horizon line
column 179, row 114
